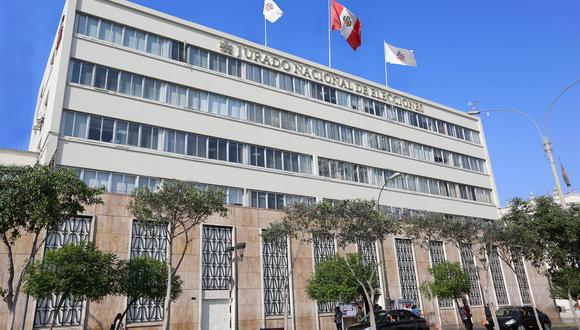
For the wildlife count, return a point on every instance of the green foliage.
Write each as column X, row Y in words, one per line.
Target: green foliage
column 564, row 280
column 333, row 281
column 33, row 198
column 178, row 203
column 73, row 271
column 144, row 277
column 449, row 281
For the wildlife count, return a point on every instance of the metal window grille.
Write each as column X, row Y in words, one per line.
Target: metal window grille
column 147, row 241
column 216, row 263
column 323, row 246
column 72, row 231
column 406, row 263
column 437, row 254
column 497, row 276
column 275, row 270
column 368, row 251
column 469, row 266
column 522, row 280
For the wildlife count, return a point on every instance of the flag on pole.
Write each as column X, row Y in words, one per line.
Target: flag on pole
column 348, row 24
column 271, row 11
column 401, row 56
column 564, row 174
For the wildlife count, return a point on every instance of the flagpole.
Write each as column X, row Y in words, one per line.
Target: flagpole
column 386, row 77
column 265, row 33
column 329, row 49
column 385, row 59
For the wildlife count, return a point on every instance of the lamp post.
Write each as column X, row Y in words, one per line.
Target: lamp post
column 386, row 294
column 238, row 247
column 545, row 138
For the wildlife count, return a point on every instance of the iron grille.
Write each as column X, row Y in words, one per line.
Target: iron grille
column 147, row 241
column 497, row 276
column 216, row 263
column 406, row 263
column 72, row 231
column 437, row 253
column 323, row 247
column 522, row 280
column 469, row 266
column 275, row 269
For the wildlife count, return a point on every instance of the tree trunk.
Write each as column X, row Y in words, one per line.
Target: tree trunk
column 167, row 303
column 55, row 312
column 286, row 306
column 11, row 317
column 9, row 298
column 133, row 300
column 458, row 310
column 573, row 309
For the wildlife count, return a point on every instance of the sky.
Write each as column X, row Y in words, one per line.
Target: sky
column 506, row 54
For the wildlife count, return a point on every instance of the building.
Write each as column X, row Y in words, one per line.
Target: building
column 132, row 96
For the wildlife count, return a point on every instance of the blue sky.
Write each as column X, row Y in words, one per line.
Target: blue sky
column 507, row 54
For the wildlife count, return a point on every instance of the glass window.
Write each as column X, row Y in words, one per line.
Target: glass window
column 106, row 31
column 112, row 79
column 92, row 26
column 287, row 161
column 201, row 146
column 133, row 136
column 212, row 148
column 253, row 73
column 75, row 73
column 146, row 134
column 217, row 62
column 304, row 125
column 288, row 121
column 137, row 85
column 235, row 108
column 100, row 77
column 294, row 160
column 117, row 184
column 222, row 150
column 80, row 126
column 125, row 85
column 82, row 24
column 121, row 132
column 90, row 178
column 270, row 158
column 150, row 91
column 285, row 82
column 233, row 155
column 191, row 139
column 86, row 74
column 198, row 57
column 193, row 99
column 117, row 34
column 255, row 113
column 103, row 179
column 300, row 86
column 177, row 51
column 305, row 164
column 217, row 104
column 271, row 117
column 67, row 123
column 180, row 142
column 234, row 67
column 107, row 131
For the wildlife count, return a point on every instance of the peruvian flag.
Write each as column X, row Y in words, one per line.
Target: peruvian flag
column 348, row 24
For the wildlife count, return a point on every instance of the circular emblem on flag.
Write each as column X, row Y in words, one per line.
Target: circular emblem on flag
column 269, row 7
column 346, row 20
column 401, row 56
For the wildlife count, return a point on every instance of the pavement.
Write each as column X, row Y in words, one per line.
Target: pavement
column 559, row 326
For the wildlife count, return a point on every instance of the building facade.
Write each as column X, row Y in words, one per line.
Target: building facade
column 132, row 96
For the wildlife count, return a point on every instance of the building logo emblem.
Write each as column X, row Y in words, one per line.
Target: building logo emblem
column 401, row 56
column 226, row 48
column 346, row 20
column 269, row 7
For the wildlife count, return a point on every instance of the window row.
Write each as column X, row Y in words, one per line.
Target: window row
column 126, row 183
column 276, row 201
column 128, row 133
column 150, row 43
column 340, row 170
column 176, row 95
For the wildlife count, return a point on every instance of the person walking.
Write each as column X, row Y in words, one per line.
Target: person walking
column 415, row 310
column 338, row 318
column 117, row 323
column 488, row 318
column 465, row 313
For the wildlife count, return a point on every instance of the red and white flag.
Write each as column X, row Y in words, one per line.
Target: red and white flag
column 348, row 24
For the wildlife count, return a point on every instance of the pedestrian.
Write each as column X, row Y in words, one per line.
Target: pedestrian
column 465, row 313
column 338, row 318
column 117, row 323
column 377, row 308
column 415, row 311
column 488, row 318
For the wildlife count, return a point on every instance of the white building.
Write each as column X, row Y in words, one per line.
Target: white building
column 132, row 96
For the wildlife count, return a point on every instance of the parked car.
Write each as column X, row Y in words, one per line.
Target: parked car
column 394, row 319
column 521, row 318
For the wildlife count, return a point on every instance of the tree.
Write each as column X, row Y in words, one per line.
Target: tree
column 543, row 233
column 72, row 272
column 332, row 280
column 143, row 277
column 348, row 222
column 449, row 282
column 424, row 228
column 32, row 200
column 179, row 206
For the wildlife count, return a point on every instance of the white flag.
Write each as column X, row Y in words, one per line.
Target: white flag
column 401, row 56
column 271, row 11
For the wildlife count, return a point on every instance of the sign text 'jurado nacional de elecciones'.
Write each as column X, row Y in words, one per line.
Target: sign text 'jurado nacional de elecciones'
column 308, row 72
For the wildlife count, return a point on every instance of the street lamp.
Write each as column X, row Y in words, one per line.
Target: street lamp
column 238, row 247
column 386, row 293
column 544, row 137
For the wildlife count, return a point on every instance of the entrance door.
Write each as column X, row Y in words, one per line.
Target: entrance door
column 215, row 314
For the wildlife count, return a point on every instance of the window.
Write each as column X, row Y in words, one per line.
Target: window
column 288, row 120
column 80, row 126
column 121, row 132
column 253, row 73
column 234, row 67
column 86, row 76
column 198, row 57
column 133, row 136
column 100, row 77
column 107, row 130
column 177, row 51
column 217, row 62
column 406, row 265
column 67, row 123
